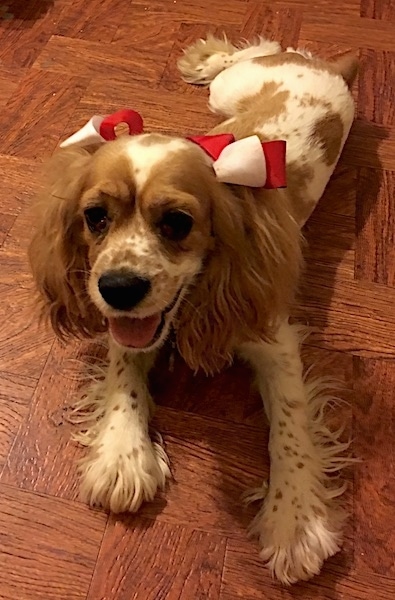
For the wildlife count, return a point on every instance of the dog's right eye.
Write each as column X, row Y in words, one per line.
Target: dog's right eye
column 97, row 219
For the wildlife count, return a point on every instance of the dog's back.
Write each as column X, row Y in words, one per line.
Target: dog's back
column 286, row 95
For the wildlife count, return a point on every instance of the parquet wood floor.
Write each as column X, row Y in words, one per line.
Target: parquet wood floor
column 62, row 61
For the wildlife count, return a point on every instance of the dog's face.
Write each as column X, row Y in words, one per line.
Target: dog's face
column 146, row 215
column 138, row 235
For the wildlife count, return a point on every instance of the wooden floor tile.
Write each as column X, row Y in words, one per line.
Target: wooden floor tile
column 189, row 115
column 385, row 10
column 274, row 22
column 154, row 560
column 350, row 30
column 374, row 432
column 16, row 392
column 27, row 32
column 48, row 547
column 376, row 227
column 24, row 346
column 43, row 103
column 61, row 61
column 44, row 457
column 81, row 58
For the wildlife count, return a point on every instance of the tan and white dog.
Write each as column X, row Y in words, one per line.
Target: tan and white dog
column 139, row 236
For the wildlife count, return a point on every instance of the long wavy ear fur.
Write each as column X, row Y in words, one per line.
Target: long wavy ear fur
column 57, row 253
column 249, row 279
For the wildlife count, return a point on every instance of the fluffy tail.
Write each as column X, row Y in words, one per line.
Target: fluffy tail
column 203, row 60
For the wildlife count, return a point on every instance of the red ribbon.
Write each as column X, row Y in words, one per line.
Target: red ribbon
column 130, row 117
column 273, row 152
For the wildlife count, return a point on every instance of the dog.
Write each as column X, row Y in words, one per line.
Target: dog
column 139, row 237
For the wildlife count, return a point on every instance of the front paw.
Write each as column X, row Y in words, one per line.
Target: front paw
column 120, row 476
column 296, row 537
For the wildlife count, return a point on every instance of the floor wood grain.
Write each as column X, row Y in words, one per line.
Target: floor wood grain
column 62, row 61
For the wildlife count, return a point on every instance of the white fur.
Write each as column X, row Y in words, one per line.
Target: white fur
column 124, row 467
column 297, row 526
column 297, row 123
column 145, row 157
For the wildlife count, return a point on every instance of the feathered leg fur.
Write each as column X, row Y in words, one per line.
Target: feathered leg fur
column 123, row 467
column 299, row 524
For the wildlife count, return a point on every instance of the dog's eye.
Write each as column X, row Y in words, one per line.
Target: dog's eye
column 97, row 219
column 175, row 225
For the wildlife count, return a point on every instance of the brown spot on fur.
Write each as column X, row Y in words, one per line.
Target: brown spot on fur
column 309, row 100
column 120, row 371
column 286, row 482
column 300, row 465
column 305, row 518
column 269, row 103
column 133, row 394
column 300, row 75
column 135, row 452
column 319, row 512
column 275, row 508
column 129, row 455
column 112, row 427
column 116, row 407
column 281, row 423
column 134, row 405
column 327, row 133
column 279, row 494
column 286, row 412
column 287, row 448
column 346, row 66
column 290, row 435
column 298, row 177
column 292, row 403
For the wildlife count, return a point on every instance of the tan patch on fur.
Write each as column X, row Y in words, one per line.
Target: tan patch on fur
column 346, row 66
column 328, row 133
column 269, row 103
column 309, row 100
column 298, row 176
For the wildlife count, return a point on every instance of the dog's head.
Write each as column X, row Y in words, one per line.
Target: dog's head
column 139, row 236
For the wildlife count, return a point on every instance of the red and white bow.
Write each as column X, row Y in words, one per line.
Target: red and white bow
column 247, row 161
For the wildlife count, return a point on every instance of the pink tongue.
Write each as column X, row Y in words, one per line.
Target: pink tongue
column 135, row 333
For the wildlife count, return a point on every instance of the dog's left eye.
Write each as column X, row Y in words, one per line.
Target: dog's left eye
column 175, row 225
column 97, row 219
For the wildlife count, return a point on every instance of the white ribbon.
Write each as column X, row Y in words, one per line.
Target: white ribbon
column 242, row 163
column 88, row 134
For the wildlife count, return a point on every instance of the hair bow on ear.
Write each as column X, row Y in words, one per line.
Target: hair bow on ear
column 101, row 129
column 247, row 161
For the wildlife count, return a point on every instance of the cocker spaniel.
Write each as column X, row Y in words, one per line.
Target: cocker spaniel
column 149, row 235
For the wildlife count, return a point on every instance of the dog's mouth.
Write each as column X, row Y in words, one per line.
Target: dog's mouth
column 132, row 332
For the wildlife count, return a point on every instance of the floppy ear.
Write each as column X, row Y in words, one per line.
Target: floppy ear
column 249, row 279
column 57, row 252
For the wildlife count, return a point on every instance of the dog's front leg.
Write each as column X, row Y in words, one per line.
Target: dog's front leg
column 298, row 525
column 123, row 467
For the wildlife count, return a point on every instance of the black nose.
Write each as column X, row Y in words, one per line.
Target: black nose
column 123, row 291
